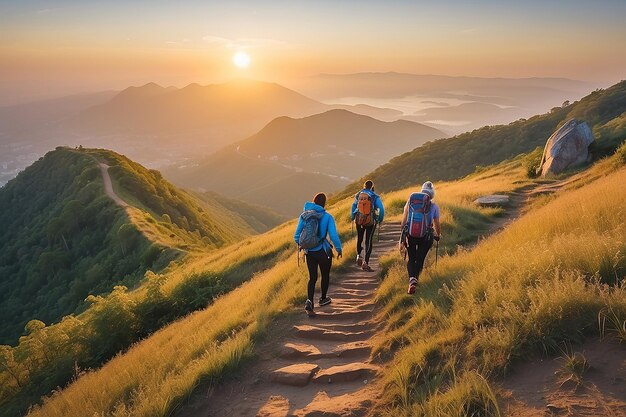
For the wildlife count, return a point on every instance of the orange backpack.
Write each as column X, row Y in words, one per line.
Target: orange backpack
column 365, row 213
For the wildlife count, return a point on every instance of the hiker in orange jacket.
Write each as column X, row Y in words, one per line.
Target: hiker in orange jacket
column 367, row 212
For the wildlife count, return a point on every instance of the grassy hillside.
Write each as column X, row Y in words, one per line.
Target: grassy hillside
column 62, row 238
column 67, row 245
column 53, row 356
column 455, row 157
column 167, row 214
column 480, row 307
column 163, row 369
column 479, row 312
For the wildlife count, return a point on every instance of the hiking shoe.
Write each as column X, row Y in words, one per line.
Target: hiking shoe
column 366, row 267
column 359, row 261
column 308, row 306
column 412, row 285
column 325, row 301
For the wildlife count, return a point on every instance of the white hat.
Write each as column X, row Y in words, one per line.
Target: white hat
column 429, row 189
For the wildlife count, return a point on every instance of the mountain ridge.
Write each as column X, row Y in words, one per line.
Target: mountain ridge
column 60, row 231
column 328, row 147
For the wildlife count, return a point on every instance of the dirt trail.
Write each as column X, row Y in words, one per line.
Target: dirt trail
column 322, row 365
column 108, row 185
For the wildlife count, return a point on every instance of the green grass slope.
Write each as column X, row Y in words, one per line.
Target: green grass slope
column 455, row 157
column 167, row 214
column 62, row 238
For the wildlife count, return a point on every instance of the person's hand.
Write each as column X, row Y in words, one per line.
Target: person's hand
column 339, row 254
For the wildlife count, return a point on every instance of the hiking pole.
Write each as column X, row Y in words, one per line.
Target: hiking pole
column 436, row 253
column 379, row 226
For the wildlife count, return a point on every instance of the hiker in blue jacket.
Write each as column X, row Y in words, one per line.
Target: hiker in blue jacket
column 320, row 253
column 367, row 212
column 418, row 247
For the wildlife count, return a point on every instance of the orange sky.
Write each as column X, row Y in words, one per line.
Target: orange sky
column 60, row 47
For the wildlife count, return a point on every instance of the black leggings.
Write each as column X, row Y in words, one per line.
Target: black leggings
column 320, row 259
column 418, row 249
column 368, row 231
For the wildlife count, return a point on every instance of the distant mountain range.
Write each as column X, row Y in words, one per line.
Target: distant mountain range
column 289, row 160
column 213, row 114
column 164, row 126
column 395, row 84
column 155, row 125
column 452, row 104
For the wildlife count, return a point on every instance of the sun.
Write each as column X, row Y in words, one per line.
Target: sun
column 241, row 59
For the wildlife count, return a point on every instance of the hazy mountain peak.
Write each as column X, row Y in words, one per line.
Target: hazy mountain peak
column 139, row 93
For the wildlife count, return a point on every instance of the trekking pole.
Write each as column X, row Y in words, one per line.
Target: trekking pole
column 436, row 253
column 379, row 226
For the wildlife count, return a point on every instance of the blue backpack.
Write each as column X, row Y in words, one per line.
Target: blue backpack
column 310, row 235
column 418, row 220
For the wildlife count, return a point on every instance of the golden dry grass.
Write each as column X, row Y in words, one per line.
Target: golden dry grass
column 543, row 280
column 476, row 304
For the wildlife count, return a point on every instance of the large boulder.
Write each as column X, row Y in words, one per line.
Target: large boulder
column 493, row 200
column 568, row 146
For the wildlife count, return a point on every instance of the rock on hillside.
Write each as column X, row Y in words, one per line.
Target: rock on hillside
column 568, row 146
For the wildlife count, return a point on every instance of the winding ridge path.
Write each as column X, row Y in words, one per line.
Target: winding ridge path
column 108, row 185
column 322, row 366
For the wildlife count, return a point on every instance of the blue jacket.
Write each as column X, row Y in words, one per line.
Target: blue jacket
column 378, row 204
column 327, row 227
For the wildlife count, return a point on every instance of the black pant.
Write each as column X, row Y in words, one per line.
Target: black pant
column 368, row 231
column 320, row 259
column 417, row 250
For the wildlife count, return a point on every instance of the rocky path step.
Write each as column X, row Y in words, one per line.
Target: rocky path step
column 360, row 285
column 297, row 375
column 342, row 327
column 323, row 405
column 314, row 332
column 348, row 372
column 344, row 315
column 310, row 352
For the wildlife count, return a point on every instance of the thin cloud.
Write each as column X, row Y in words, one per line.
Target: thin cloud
column 180, row 42
column 43, row 11
column 243, row 43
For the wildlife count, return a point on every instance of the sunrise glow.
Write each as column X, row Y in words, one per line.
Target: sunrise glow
column 241, row 60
